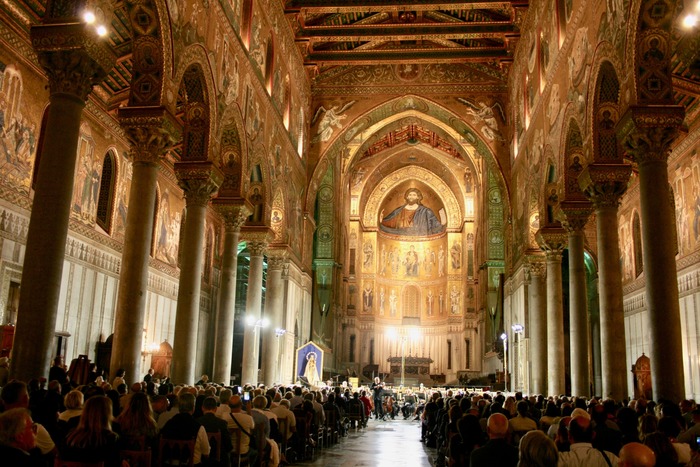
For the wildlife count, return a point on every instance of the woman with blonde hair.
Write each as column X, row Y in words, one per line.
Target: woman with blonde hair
column 93, row 439
column 69, row 418
column 537, row 450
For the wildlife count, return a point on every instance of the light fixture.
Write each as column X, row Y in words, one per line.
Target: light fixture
column 691, row 19
column 89, row 17
column 258, row 323
column 517, row 328
column 504, row 336
column 279, row 332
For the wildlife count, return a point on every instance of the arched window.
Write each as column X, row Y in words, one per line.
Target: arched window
column 105, row 199
column 637, row 237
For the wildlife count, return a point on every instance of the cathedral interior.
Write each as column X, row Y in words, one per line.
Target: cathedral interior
column 426, row 191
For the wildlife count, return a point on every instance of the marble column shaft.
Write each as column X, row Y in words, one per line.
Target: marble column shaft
column 578, row 316
column 151, row 133
column 200, row 181
column 538, row 328
column 274, row 302
column 612, row 325
column 555, row 325
column 71, row 73
column 234, row 217
column 648, row 133
column 251, row 336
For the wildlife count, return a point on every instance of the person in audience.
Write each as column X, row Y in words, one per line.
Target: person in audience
column 666, row 455
column 184, row 426
column 214, row 424
column 69, row 418
column 636, row 455
column 137, row 420
column 241, row 426
column 551, row 414
column 15, row 395
column 648, row 424
column 537, row 450
column 223, row 410
column 18, row 439
column 670, row 427
column 691, row 435
column 283, row 413
column 470, row 437
column 582, row 452
column 93, row 439
column 522, row 422
column 497, row 451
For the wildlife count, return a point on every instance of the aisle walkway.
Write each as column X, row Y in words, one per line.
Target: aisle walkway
column 390, row 443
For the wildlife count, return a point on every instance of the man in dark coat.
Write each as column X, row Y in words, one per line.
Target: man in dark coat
column 497, row 451
column 214, row 424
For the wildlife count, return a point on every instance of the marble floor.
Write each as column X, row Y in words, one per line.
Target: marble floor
column 393, row 443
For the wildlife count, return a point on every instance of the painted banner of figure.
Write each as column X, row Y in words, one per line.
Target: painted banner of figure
column 310, row 363
column 412, row 218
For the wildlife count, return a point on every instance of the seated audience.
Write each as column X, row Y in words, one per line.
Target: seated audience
column 582, row 453
column 497, row 451
column 137, row 420
column 184, row 426
column 537, row 450
column 636, row 455
column 17, row 439
column 93, row 439
column 214, row 424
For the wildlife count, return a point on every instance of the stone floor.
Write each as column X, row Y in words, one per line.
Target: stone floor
column 393, row 443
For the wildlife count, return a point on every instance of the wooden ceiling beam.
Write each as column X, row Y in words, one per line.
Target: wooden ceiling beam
column 398, row 32
column 371, row 57
column 346, row 6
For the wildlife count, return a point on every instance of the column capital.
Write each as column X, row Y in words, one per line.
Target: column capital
column 535, row 266
column 576, row 214
column 604, row 184
column 74, row 57
column 199, row 180
column 152, row 131
column 552, row 239
column 234, row 215
column 276, row 258
column 257, row 239
column 647, row 131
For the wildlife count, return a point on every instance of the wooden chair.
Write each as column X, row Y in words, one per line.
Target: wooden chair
column 61, row 463
column 176, row 452
column 282, row 426
column 356, row 415
column 215, row 444
column 136, row 458
column 237, row 459
column 332, row 424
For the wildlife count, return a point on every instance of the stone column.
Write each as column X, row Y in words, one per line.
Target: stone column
column 199, row 181
column 234, row 217
column 251, row 336
column 604, row 184
column 647, row 133
column 151, row 132
column 538, row 325
column 576, row 214
column 74, row 59
column 274, row 295
column 552, row 239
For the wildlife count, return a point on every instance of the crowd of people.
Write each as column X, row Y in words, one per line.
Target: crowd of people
column 95, row 422
column 483, row 429
column 42, row 420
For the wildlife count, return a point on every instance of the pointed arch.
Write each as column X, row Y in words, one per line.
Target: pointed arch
column 233, row 149
column 352, row 133
column 152, row 63
column 195, row 78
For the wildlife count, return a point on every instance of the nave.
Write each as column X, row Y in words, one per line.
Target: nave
column 382, row 443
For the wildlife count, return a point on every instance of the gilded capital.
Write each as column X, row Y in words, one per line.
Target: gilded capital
column 575, row 214
column 276, row 258
column 199, row 180
column 234, row 216
column 552, row 239
column 74, row 57
column 257, row 247
column 152, row 131
column 257, row 238
column 647, row 132
column 604, row 184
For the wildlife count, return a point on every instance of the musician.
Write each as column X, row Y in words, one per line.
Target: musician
column 377, row 393
column 409, row 404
